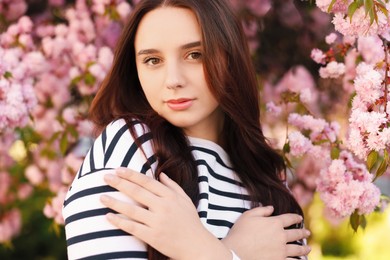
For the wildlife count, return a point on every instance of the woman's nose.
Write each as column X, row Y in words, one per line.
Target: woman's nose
column 174, row 76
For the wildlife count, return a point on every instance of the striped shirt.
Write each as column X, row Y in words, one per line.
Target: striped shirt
column 89, row 234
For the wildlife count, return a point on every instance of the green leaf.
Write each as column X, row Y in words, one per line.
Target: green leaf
column 63, row 144
column 72, row 130
column 373, row 16
column 288, row 163
column 368, row 5
column 386, row 156
column 372, row 158
column 363, row 221
column 331, row 5
column 286, row 148
column 354, row 220
column 75, row 80
column 54, row 137
column 288, row 96
column 382, row 7
column 89, row 79
column 7, row 75
column 381, row 169
column 352, row 9
column 335, row 153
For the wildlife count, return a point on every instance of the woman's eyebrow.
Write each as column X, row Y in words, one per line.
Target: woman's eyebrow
column 147, row 51
column 191, row 45
column 183, row 47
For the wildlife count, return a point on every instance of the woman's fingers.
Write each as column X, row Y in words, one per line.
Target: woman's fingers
column 134, row 191
column 132, row 211
column 173, row 185
column 289, row 219
column 143, row 180
column 297, row 250
column 296, row 234
column 260, row 211
column 134, row 228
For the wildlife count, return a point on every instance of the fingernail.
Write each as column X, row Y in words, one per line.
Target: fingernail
column 307, row 232
column 164, row 175
column 105, row 198
column 111, row 179
column 110, row 216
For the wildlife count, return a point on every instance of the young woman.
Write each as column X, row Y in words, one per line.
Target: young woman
column 179, row 121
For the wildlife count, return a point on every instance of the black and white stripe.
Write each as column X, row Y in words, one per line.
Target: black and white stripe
column 90, row 236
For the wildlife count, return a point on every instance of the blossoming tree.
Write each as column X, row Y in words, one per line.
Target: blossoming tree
column 52, row 60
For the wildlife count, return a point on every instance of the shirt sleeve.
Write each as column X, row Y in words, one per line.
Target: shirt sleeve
column 89, row 235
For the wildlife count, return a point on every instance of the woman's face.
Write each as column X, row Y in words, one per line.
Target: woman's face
column 169, row 59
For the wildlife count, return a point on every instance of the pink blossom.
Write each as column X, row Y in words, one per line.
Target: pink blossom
column 356, row 144
column 307, row 122
column 371, row 48
column 250, row 30
column 34, row 175
column 346, row 186
column 69, row 114
column 331, row 38
column 10, row 225
column 339, row 5
column 350, row 70
column 318, row 56
column 53, row 170
column 258, row 7
column 85, row 128
column 299, row 144
column 296, row 79
column 360, row 24
column 368, row 83
column 13, row 9
column 369, row 199
column 56, row 3
column 332, row 70
column 307, row 96
column 24, row 191
column 5, row 180
column 71, row 165
column 273, row 109
column 123, row 10
column 303, row 196
column 367, row 121
column 291, row 16
column 53, row 208
column 105, row 57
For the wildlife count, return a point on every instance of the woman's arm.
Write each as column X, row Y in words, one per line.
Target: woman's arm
column 168, row 221
column 266, row 236
column 88, row 232
column 164, row 217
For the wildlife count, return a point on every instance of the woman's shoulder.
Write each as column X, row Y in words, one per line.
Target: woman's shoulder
column 123, row 126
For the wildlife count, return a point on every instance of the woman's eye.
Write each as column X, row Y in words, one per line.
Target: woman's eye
column 152, row 61
column 195, row 55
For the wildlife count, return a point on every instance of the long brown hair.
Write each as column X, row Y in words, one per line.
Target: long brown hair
column 231, row 78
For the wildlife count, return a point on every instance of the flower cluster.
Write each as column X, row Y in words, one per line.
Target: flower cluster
column 346, row 186
column 49, row 71
column 354, row 73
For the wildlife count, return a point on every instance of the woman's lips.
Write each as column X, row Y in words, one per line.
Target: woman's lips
column 179, row 104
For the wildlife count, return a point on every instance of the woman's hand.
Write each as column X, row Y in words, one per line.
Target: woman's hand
column 256, row 235
column 165, row 217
